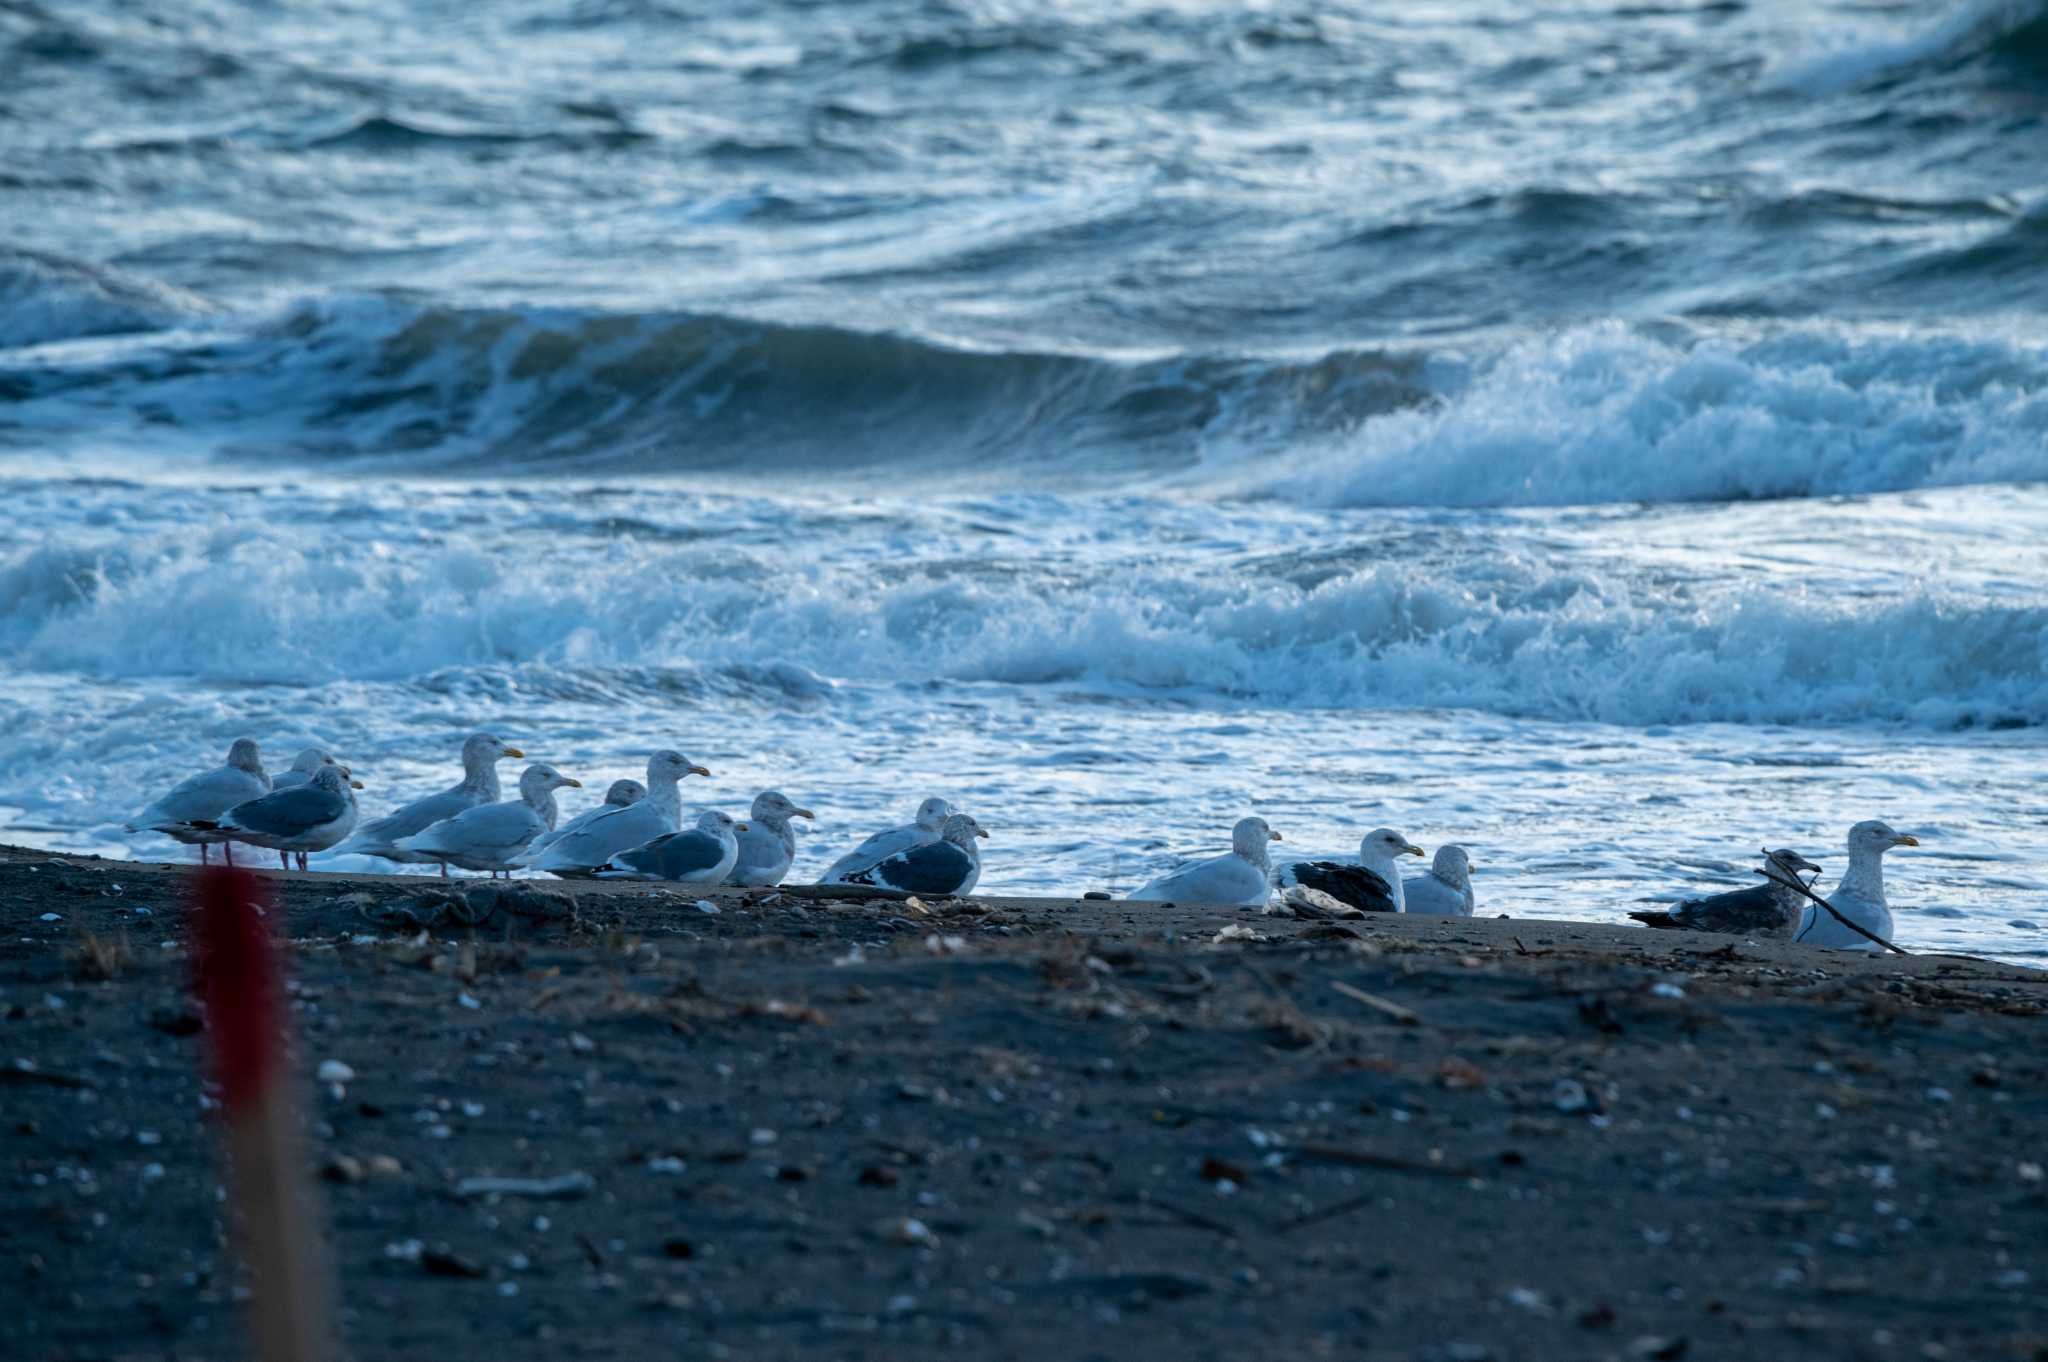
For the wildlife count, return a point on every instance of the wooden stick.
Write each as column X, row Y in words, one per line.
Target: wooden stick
column 1377, row 1003
column 1794, row 883
column 289, row 1314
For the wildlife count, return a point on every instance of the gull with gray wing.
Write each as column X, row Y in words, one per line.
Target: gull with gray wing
column 490, row 837
column 481, row 753
column 206, row 796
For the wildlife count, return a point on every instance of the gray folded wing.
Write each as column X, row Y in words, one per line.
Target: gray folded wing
column 286, row 813
column 488, row 830
column 606, row 835
column 207, row 795
column 411, row 819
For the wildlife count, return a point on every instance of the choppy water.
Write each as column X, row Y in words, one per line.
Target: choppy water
column 1610, row 436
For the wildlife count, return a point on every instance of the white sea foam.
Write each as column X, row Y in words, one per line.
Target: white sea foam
column 1607, row 414
column 1840, row 59
column 1513, row 623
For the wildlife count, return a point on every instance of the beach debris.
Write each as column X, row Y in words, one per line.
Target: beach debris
column 1237, row 931
column 563, row 1187
column 441, row 1261
column 906, row 1232
column 334, row 1071
column 1402, row 1015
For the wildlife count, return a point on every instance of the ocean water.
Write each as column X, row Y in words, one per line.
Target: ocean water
column 1609, row 436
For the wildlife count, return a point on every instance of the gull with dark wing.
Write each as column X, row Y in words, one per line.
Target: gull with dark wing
column 1765, row 911
column 300, row 820
column 947, row 868
column 702, row 854
column 930, row 821
column 587, row 850
column 1370, row 884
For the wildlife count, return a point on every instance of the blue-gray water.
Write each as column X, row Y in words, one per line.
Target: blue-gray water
column 1610, row 435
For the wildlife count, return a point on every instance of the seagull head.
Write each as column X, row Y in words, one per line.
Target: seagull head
column 773, row 806
column 1384, row 844
column 1877, row 837
column 1249, row 838
column 624, row 792
column 933, row 813
column 961, row 829
column 244, row 755
column 540, row 778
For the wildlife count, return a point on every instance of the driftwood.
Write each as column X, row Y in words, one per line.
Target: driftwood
column 1833, row 912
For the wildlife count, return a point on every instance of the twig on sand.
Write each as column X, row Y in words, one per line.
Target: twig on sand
column 1372, row 1000
column 1393, row 1163
column 1793, row 883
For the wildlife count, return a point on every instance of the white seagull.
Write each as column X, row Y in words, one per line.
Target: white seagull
column 490, row 837
column 1239, row 876
column 481, row 753
column 1858, row 895
column 205, row 797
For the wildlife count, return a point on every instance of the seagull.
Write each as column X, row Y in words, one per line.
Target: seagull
column 700, row 855
column 303, row 767
column 931, row 818
column 618, row 796
column 481, row 753
column 1858, row 895
column 946, row 868
column 1240, row 876
column 589, row 848
column 1762, row 910
column 1370, row 884
column 489, row 837
column 767, row 842
column 1446, row 891
column 301, row 819
column 207, row 796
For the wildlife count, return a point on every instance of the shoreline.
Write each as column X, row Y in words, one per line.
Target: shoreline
column 1003, row 1128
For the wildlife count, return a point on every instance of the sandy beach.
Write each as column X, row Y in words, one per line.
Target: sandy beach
column 999, row 1128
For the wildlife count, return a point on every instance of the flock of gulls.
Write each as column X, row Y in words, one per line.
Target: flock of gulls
column 638, row 833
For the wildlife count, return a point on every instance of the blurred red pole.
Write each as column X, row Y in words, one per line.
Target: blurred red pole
column 241, row 987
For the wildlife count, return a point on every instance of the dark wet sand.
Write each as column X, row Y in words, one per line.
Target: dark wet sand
column 1035, row 1129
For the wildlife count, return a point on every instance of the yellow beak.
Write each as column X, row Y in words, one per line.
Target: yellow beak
column 514, row 752
column 739, row 827
column 805, row 813
column 356, row 784
column 700, row 770
column 1414, row 850
column 1906, row 840
column 575, row 783
column 981, row 832
column 1275, row 836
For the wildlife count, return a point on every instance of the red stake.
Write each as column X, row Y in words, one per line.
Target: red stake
column 240, row 983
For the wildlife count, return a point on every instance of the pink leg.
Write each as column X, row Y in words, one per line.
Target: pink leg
column 202, row 855
column 444, row 870
column 284, row 860
column 227, row 849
